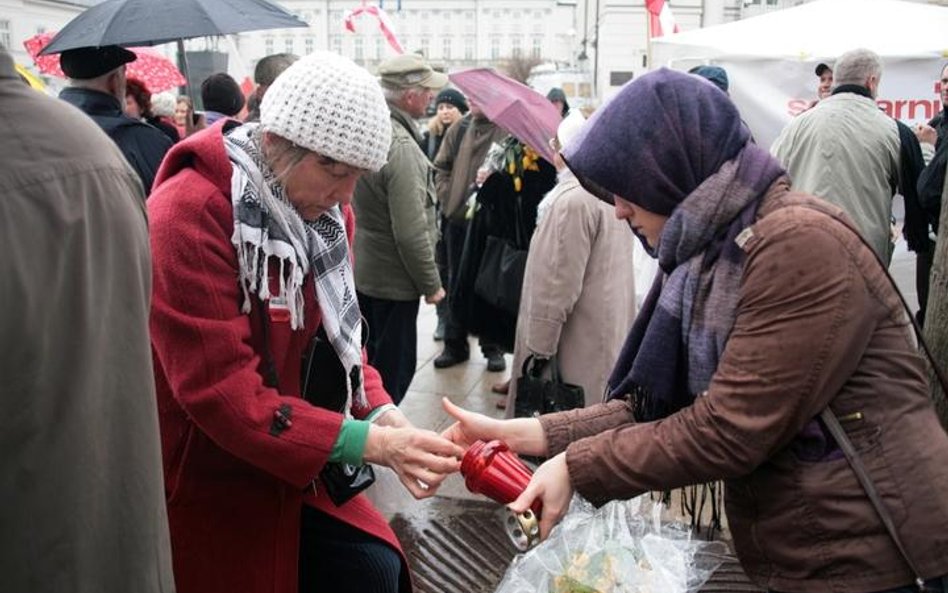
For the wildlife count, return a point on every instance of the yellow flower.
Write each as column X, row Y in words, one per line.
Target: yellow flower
column 518, row 184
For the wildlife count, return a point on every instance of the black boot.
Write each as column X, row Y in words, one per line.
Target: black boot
column 452, row 355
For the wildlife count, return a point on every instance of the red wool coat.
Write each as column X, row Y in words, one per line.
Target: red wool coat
column 234, row 485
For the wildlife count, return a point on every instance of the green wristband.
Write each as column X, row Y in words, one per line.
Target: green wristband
column 350, row 444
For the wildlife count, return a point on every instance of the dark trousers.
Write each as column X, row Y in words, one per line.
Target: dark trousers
column 338, row 558
column 455, row 330
column 923, row 270
column 393, row 341
column 441, row 259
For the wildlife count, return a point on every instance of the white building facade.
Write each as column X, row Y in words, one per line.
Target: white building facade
column 22, row 19
column 589, row 47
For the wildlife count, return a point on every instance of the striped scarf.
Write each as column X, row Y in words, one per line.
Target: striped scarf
column 267, row 226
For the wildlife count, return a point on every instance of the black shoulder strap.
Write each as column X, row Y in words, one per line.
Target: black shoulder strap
column 832, row 424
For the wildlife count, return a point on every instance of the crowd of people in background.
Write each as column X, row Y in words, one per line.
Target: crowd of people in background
column 231, row 297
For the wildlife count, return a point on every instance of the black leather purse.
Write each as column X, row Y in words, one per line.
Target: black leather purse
column 537, row 396
column 323, row 383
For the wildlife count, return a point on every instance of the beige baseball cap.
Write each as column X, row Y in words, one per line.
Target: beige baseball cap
column 409, row 70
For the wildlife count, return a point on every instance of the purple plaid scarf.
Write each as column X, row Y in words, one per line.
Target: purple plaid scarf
column 677, row 339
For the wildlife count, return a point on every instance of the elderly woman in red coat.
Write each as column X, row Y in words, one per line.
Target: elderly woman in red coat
column 266, row 404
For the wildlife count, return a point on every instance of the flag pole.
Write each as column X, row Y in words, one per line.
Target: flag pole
column 648, row 38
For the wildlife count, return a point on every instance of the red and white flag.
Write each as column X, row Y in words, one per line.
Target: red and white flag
column 661, row 20
column 385, row 26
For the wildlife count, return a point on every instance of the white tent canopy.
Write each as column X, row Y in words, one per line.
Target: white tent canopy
column 770, row 58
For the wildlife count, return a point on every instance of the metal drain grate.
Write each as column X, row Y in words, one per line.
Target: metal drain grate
column 459, row 546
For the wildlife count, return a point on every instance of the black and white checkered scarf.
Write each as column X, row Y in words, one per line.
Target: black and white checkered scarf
column 267, row 226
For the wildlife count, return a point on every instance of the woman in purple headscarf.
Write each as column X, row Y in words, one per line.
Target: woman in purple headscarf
column 771, row 310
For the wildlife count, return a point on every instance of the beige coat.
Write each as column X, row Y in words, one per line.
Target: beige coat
column 81, row 492
column 578, row 299
column 846, row 151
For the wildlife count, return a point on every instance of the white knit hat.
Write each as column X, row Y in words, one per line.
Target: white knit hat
column 326, row 103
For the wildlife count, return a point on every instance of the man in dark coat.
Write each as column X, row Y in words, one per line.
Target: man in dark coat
column 97, row 79
column 940, row 122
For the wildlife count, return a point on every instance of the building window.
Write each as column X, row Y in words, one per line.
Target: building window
column 495, row 48
column 446, row 49
column 5, row 33
column 538, row 28
column 359, row 50
column 515, row 47
column 425, row 46
column 378, row 48
column 310, row 45
column 337, row 44
column 288, row 45
column 537, row 48
column 469, row 48
column 268, row 46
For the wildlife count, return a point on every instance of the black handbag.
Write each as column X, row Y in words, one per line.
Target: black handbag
column 322, row 367
column 537, row 396
column 500, row 274
column 341, row 480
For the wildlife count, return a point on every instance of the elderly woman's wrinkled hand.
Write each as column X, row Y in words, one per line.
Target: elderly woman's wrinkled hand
column 550, row 483
column 421, row 458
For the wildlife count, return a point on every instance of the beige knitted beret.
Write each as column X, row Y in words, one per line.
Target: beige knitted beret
column 326, row 103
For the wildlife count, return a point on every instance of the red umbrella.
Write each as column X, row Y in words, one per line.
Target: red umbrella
column 515, row 107
column 157, row 72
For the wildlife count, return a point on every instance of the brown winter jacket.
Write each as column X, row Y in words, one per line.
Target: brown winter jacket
column 462, row 152
column 817, row 324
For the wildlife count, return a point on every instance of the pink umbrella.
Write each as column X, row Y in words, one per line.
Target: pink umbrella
column 515, row 107
column 157, row 72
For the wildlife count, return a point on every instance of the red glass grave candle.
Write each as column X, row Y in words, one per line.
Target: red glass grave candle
column 495, row 471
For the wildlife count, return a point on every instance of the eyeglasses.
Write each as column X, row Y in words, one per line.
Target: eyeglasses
column 338, row 169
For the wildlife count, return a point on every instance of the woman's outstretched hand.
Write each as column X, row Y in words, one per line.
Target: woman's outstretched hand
column 523, row 435
column 550, row 484
column 469, row 426
column 421, row 458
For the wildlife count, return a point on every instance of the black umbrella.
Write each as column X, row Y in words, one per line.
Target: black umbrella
column 153, row 22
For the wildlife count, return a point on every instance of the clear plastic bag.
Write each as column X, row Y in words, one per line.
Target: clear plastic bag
column 623, row 547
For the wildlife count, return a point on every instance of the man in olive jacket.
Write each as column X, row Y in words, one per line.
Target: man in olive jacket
column 396, row 230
